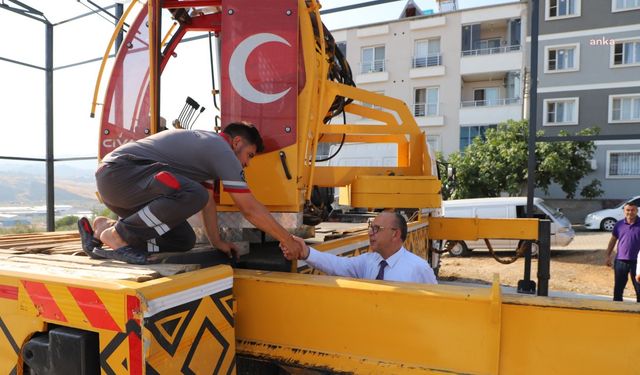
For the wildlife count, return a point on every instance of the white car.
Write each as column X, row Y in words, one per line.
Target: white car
column 606, row 219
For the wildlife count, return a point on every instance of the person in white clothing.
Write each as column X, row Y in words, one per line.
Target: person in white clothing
column 388, row 261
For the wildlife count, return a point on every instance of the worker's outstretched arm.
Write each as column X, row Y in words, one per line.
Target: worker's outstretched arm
column 258, row 215
column 210, row 220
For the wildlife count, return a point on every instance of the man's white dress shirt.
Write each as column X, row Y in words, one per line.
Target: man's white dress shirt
column 401, row 266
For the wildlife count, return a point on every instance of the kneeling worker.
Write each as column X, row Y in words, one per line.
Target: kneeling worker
column 156, row 183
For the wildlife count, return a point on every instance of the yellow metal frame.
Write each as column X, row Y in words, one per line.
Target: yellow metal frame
column 375, row 327
column 471, row 229
column 175, row 298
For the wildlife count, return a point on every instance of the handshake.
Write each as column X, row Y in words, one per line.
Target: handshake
column 294, row 248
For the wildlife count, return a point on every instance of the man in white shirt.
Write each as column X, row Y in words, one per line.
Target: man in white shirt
column 388, row 261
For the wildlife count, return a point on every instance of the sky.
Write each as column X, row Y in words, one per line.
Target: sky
column 22, row 99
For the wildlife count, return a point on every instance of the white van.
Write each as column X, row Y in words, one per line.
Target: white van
column 507, row 208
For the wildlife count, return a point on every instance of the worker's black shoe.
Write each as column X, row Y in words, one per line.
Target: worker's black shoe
column 89, row 242
column 124, row 254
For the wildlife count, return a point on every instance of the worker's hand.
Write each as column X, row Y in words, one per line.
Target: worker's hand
column 638, row 278
column 227, row 248
column 294, row 248
column 609, row 260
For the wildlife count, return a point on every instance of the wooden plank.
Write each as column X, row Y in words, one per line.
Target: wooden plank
column 9, row 244
column 83, row 264
column 92, row 274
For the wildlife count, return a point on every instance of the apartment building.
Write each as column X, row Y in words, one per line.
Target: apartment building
column 589, row 75
column 460, row 71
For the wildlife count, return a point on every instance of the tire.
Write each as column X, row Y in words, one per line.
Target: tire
column 460, row 249
column 608, row 224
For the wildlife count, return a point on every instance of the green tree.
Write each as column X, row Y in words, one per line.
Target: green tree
column 498, row 164
column 68, row 222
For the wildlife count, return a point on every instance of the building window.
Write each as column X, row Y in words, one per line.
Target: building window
column 626, row 53
column 624, row 108
column 623, row 164
column 426, row 101
column 562, row 58
column 486, row 97
column 469, row 133
column 622, row 5
column 561, row 111
column 427, row 53
column 562, row 9
column 434, row 143
column 373, row 59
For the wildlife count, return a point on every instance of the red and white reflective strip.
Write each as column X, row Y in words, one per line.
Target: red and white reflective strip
column 93, row 308
column 163, row 303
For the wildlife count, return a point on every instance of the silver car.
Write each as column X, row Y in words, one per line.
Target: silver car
column 606, row 219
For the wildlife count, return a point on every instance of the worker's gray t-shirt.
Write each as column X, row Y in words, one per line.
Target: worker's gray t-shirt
column 200, row 155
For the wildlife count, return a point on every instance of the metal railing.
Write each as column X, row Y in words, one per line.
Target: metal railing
column 491, row 50
column 374, row 66
column 426, row 61
column 426, row 110
column 490, row 102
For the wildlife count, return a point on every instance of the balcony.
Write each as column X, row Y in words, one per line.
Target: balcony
column 493, row 59
column 372, row 71
column 428, row 114
column 490, row 111
column 426, row 66
column 490, row 102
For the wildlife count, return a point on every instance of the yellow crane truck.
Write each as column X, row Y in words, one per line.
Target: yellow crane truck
column 280, row 68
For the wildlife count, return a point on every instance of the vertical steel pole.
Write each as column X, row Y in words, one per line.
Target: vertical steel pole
column 49, row 126
column 533, row 110
column 544, row 257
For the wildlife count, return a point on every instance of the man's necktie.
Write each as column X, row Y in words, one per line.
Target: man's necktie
column 383, row 264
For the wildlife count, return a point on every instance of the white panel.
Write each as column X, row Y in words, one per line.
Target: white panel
column 431, row 71
column 430, row 121
column 427, row 22
column 489, row 115
column 372, row 77
column 495, row 13
column 491, row 63
column 372, row 31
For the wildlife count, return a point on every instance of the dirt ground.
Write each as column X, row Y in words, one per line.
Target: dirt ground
column 578, row 267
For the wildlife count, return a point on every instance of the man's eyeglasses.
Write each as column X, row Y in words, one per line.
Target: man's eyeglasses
column 374, row 229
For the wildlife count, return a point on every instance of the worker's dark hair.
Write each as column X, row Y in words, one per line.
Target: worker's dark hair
column 402, row 225
column 630, row 203
column 246, row 131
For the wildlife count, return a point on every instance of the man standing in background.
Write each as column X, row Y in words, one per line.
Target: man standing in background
column 627, row 234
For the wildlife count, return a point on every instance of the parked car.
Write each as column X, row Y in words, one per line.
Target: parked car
column 507, row 208
column 606, row 219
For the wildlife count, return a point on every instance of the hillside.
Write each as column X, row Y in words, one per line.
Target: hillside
column 25, row 185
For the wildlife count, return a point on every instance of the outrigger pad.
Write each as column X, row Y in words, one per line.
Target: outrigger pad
column 124, row 254
column 89, row 242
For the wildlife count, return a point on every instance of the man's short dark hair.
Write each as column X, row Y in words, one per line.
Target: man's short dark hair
column 246, row 131
column 402, row 225
column 630, row 203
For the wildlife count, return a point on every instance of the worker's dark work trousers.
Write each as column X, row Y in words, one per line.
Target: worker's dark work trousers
column 622, row 269
column 153, row 203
